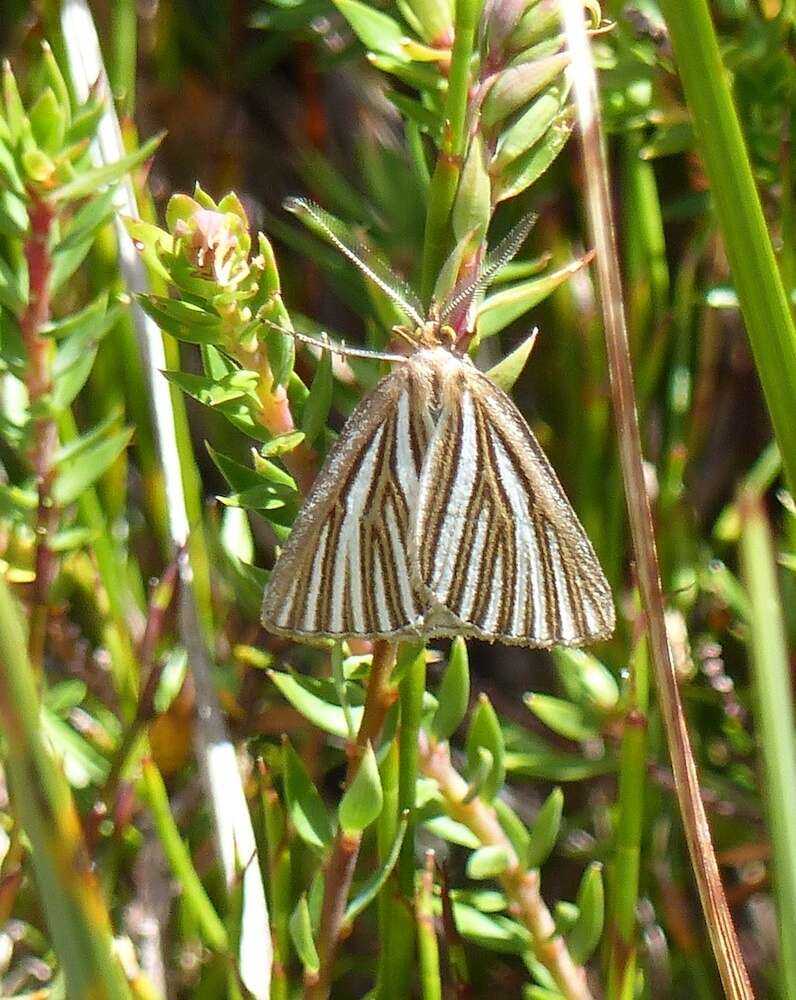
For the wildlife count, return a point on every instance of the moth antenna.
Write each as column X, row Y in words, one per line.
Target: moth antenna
column 369, row 263
column 468, row 292
column 343, row 349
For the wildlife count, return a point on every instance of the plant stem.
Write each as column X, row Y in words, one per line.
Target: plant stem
column 345, row 850
column 629, row 828
column 427, row 945
column 395, row 982
column 445, row 178
column 38, row 380
column 774, row 702
column 150, row 675
column 520, row 885
column 279, row 881
column 389, row 970
column 757, row 279
column 598, row 197
column 413, row 687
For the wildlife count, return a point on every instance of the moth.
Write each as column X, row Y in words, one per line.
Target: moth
column 436, row 512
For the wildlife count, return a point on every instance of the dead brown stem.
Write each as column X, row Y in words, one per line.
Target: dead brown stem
column 38, row 380
column 345, row 850
column 520, row 884
column 598, row 199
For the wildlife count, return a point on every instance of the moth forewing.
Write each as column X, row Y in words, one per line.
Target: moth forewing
column 499, row 545
column 344, row 569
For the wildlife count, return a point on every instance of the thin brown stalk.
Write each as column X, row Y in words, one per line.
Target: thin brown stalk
column 520, row 884
column 38, row 381
column 598, row 198
column 345, row 850
column 150, row 673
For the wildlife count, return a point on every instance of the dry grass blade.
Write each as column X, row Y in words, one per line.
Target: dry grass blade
column 233, row 825
column 722, row 932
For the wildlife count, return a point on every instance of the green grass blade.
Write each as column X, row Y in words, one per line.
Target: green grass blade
column 68, row 889
column 775, row 719
column 754, row 268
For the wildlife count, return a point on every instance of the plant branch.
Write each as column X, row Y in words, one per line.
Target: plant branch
column 345, row 850
column 38, row 380
column 520, row 885
column 598, row 198
column 445, row 178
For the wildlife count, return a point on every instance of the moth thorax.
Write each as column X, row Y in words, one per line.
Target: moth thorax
column 435, row 334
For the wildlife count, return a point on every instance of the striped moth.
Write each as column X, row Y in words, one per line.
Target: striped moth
column 436, row 512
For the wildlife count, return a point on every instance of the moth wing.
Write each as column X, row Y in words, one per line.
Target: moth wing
column 499, row 547
column 343, row 570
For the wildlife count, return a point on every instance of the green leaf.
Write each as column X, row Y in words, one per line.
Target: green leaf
column 281, row 349
column 371, row 888
column 316, row 703
column 72, row 539
column 13, row 288
column 62, row 697
column 428, row 120
column 85, row 466
column 529, row 167
column 473, row 206
column 528, row 754
column 529, row 128
column 300, row 925
column 85, row 121
column 182, row 319
column 273, row 473
column 304, row 804
column 56, row 80
column 491, row 931
column 376, row 31
column 217, row 393
column 282, row 444
column 514, row 829
column 485, row 733
column 75, row 359
column 501, row 308
column 361, row 804
column 17, row 503
column 506, row 372
column 454, row 833
column 83, row 322
column 586, row 680
column 70, row 251
column 13, row 354
column 319, row 401
column 194, row 895
column 82, row 764
column 566, row 915
column 240, row 477
column 88, row 181
column 563, row 717
column 9, row 171
column 15, row 111
column 545, row 829
column 453, row 694
column 517, row 84
column 585, row 935
column 48, row 122
column 488, row 862
column 13, row 214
